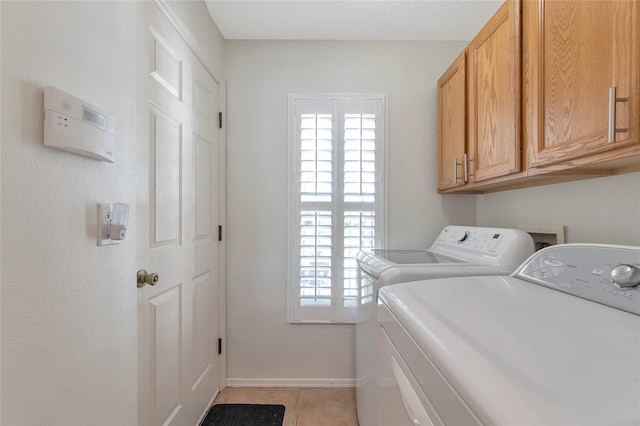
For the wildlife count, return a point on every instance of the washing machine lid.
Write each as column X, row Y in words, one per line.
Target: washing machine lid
column 410, row 257
column 501, row 248
column 376, row 261
column 520, row 353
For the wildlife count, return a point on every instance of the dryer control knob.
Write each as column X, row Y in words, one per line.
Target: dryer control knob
column 625, row 276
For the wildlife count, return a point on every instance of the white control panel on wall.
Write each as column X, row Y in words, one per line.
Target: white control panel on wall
column 112, row 223
column 73, row 125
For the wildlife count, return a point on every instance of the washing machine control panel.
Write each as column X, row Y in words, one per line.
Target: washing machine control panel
column 601, row 273
column 501, row 247
column 479, row 239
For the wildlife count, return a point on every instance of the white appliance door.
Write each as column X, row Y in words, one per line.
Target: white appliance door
column 401, row 401
column 176, row 227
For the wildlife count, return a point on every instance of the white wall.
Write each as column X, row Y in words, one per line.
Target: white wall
column 259, row 77
column 68, row 306
column 600, row 210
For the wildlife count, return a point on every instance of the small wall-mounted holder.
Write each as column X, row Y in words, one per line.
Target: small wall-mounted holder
column 112, row 223
column 545, row 235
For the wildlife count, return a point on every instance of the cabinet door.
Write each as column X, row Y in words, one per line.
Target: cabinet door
column 575, row 51
column 494, row 96
column 452, row 124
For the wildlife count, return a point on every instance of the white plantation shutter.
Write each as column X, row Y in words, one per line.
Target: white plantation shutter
column 336, row 158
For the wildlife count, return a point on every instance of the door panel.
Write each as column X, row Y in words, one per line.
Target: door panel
column 166, row 311
column 452, row 124
column 202, row 347
column 177, row 212
column 494, row 99
column 165, row 65
column 576, row 51
column 165, row 137
column 203, row 187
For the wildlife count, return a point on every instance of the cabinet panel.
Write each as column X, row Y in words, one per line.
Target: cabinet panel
column 452, row 123
column 575, row 52
column 494, row 97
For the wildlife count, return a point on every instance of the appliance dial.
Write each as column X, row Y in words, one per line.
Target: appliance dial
column 625, row 276
column 462, row 236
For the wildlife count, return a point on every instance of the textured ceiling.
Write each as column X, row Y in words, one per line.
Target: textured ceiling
column 351, row 19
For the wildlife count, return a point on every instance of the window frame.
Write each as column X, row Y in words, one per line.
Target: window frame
column 336, row 313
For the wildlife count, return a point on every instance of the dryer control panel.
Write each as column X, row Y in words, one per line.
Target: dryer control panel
column 606, row 274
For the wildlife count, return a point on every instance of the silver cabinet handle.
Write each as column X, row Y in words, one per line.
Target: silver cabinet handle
column 612, row 130
column 465, row 160
column 455, row 170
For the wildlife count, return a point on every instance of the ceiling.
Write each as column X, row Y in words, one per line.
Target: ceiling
column 351, row 19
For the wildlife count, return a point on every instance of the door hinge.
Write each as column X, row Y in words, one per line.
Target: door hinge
column 219, row 346
column 220, row 120
column 219, row 232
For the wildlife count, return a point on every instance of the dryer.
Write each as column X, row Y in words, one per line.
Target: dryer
column 555, row 343
column 458, row 251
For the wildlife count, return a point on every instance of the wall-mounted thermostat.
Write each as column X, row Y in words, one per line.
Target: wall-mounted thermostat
column 73, row 125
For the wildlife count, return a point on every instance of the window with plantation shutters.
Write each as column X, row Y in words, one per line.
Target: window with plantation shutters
column 336, row 147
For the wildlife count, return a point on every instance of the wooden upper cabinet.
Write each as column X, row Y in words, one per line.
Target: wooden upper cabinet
column 452, row 123
column 574, row 53
column 494, row 96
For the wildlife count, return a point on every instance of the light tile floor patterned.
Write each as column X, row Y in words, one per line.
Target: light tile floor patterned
column 303, row 406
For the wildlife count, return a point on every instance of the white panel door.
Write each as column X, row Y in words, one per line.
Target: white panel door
column 177, row 218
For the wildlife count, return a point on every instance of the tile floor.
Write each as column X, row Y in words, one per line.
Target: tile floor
column 303, row 406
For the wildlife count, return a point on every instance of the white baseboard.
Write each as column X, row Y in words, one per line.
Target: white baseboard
column 290, row 383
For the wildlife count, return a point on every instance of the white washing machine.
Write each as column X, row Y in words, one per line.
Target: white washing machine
column 458, row 251
column 556, row 343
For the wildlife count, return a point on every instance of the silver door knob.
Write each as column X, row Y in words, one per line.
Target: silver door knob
column 145, row 278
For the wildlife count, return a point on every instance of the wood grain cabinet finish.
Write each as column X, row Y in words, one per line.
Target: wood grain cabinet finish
column 494, row 97
column 574, row 53
column 452, row 124
column 552, row 95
